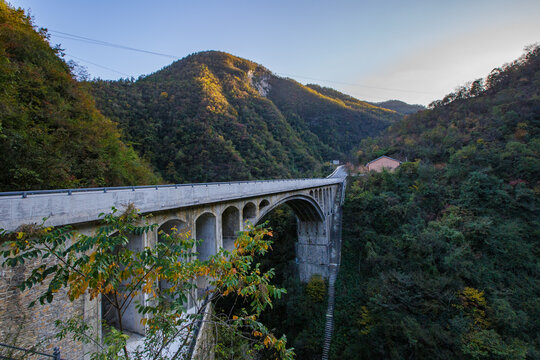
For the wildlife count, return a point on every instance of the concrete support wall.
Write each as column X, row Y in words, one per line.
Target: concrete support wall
column 206, row 338
column 312, row 250
column 34, row 327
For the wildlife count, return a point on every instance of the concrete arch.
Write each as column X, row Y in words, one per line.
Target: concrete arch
column 230, row 226
column 168, row 226
column 264, row 203
column 205, row 233
column 249, row 212
column 305, row 208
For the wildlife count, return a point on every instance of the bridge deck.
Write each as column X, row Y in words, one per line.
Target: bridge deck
column 71, row 206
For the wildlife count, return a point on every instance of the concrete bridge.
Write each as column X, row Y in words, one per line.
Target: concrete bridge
column 212, row 212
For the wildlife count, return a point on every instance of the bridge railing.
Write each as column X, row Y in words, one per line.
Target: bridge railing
column 24, row 194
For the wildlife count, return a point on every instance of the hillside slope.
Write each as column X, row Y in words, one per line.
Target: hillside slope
column 498, row 116
column 400, row 106
column 441, row 257
column 51, row 135
column 213, row 116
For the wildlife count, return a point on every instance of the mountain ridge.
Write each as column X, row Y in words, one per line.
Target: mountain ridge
column 266, row 126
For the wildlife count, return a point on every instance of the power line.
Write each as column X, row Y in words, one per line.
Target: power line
column 68, row 36
column 101, row 66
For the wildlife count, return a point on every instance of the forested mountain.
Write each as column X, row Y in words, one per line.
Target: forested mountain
column 400, row 106
column 441, row 259
column 51, row 135
column 213, row 116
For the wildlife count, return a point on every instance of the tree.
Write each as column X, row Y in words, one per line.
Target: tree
column 103, row 266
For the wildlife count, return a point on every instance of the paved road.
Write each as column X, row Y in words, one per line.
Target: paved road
column 340, row 172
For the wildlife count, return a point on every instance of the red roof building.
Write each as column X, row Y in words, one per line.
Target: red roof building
column 383, row 162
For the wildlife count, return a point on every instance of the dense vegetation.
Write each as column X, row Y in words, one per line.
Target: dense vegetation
column 441, row 259
column 300, row 314
column 51, row 135
column 213, row 116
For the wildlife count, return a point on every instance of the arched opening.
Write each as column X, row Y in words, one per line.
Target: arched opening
column 109, row 314
column 249, row 212
column 264, row 203
column 304, row 207
column 282, row 256
column 131, row 317
column 205, row 232
column 230, row 225
column 169, row 227
column 311, row 193
column 311, row 246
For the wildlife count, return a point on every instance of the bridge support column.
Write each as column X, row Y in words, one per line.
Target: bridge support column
column 312, row 253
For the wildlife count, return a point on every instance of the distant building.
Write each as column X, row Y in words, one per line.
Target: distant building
column 383, row 162
column 335, row 162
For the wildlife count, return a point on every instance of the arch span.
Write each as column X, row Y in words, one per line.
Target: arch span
column 249, row 212
column 205, row 232
column 230, row 225
column 305, row 208
column 169, row 226
column 264, row 203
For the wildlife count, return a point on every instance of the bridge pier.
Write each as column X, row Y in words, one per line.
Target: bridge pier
column 312, row 249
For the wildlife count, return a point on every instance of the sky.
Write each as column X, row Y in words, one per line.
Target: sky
column 414, row 51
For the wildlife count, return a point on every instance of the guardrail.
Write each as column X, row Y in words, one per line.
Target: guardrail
column 335, row 171
column 24, row 194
